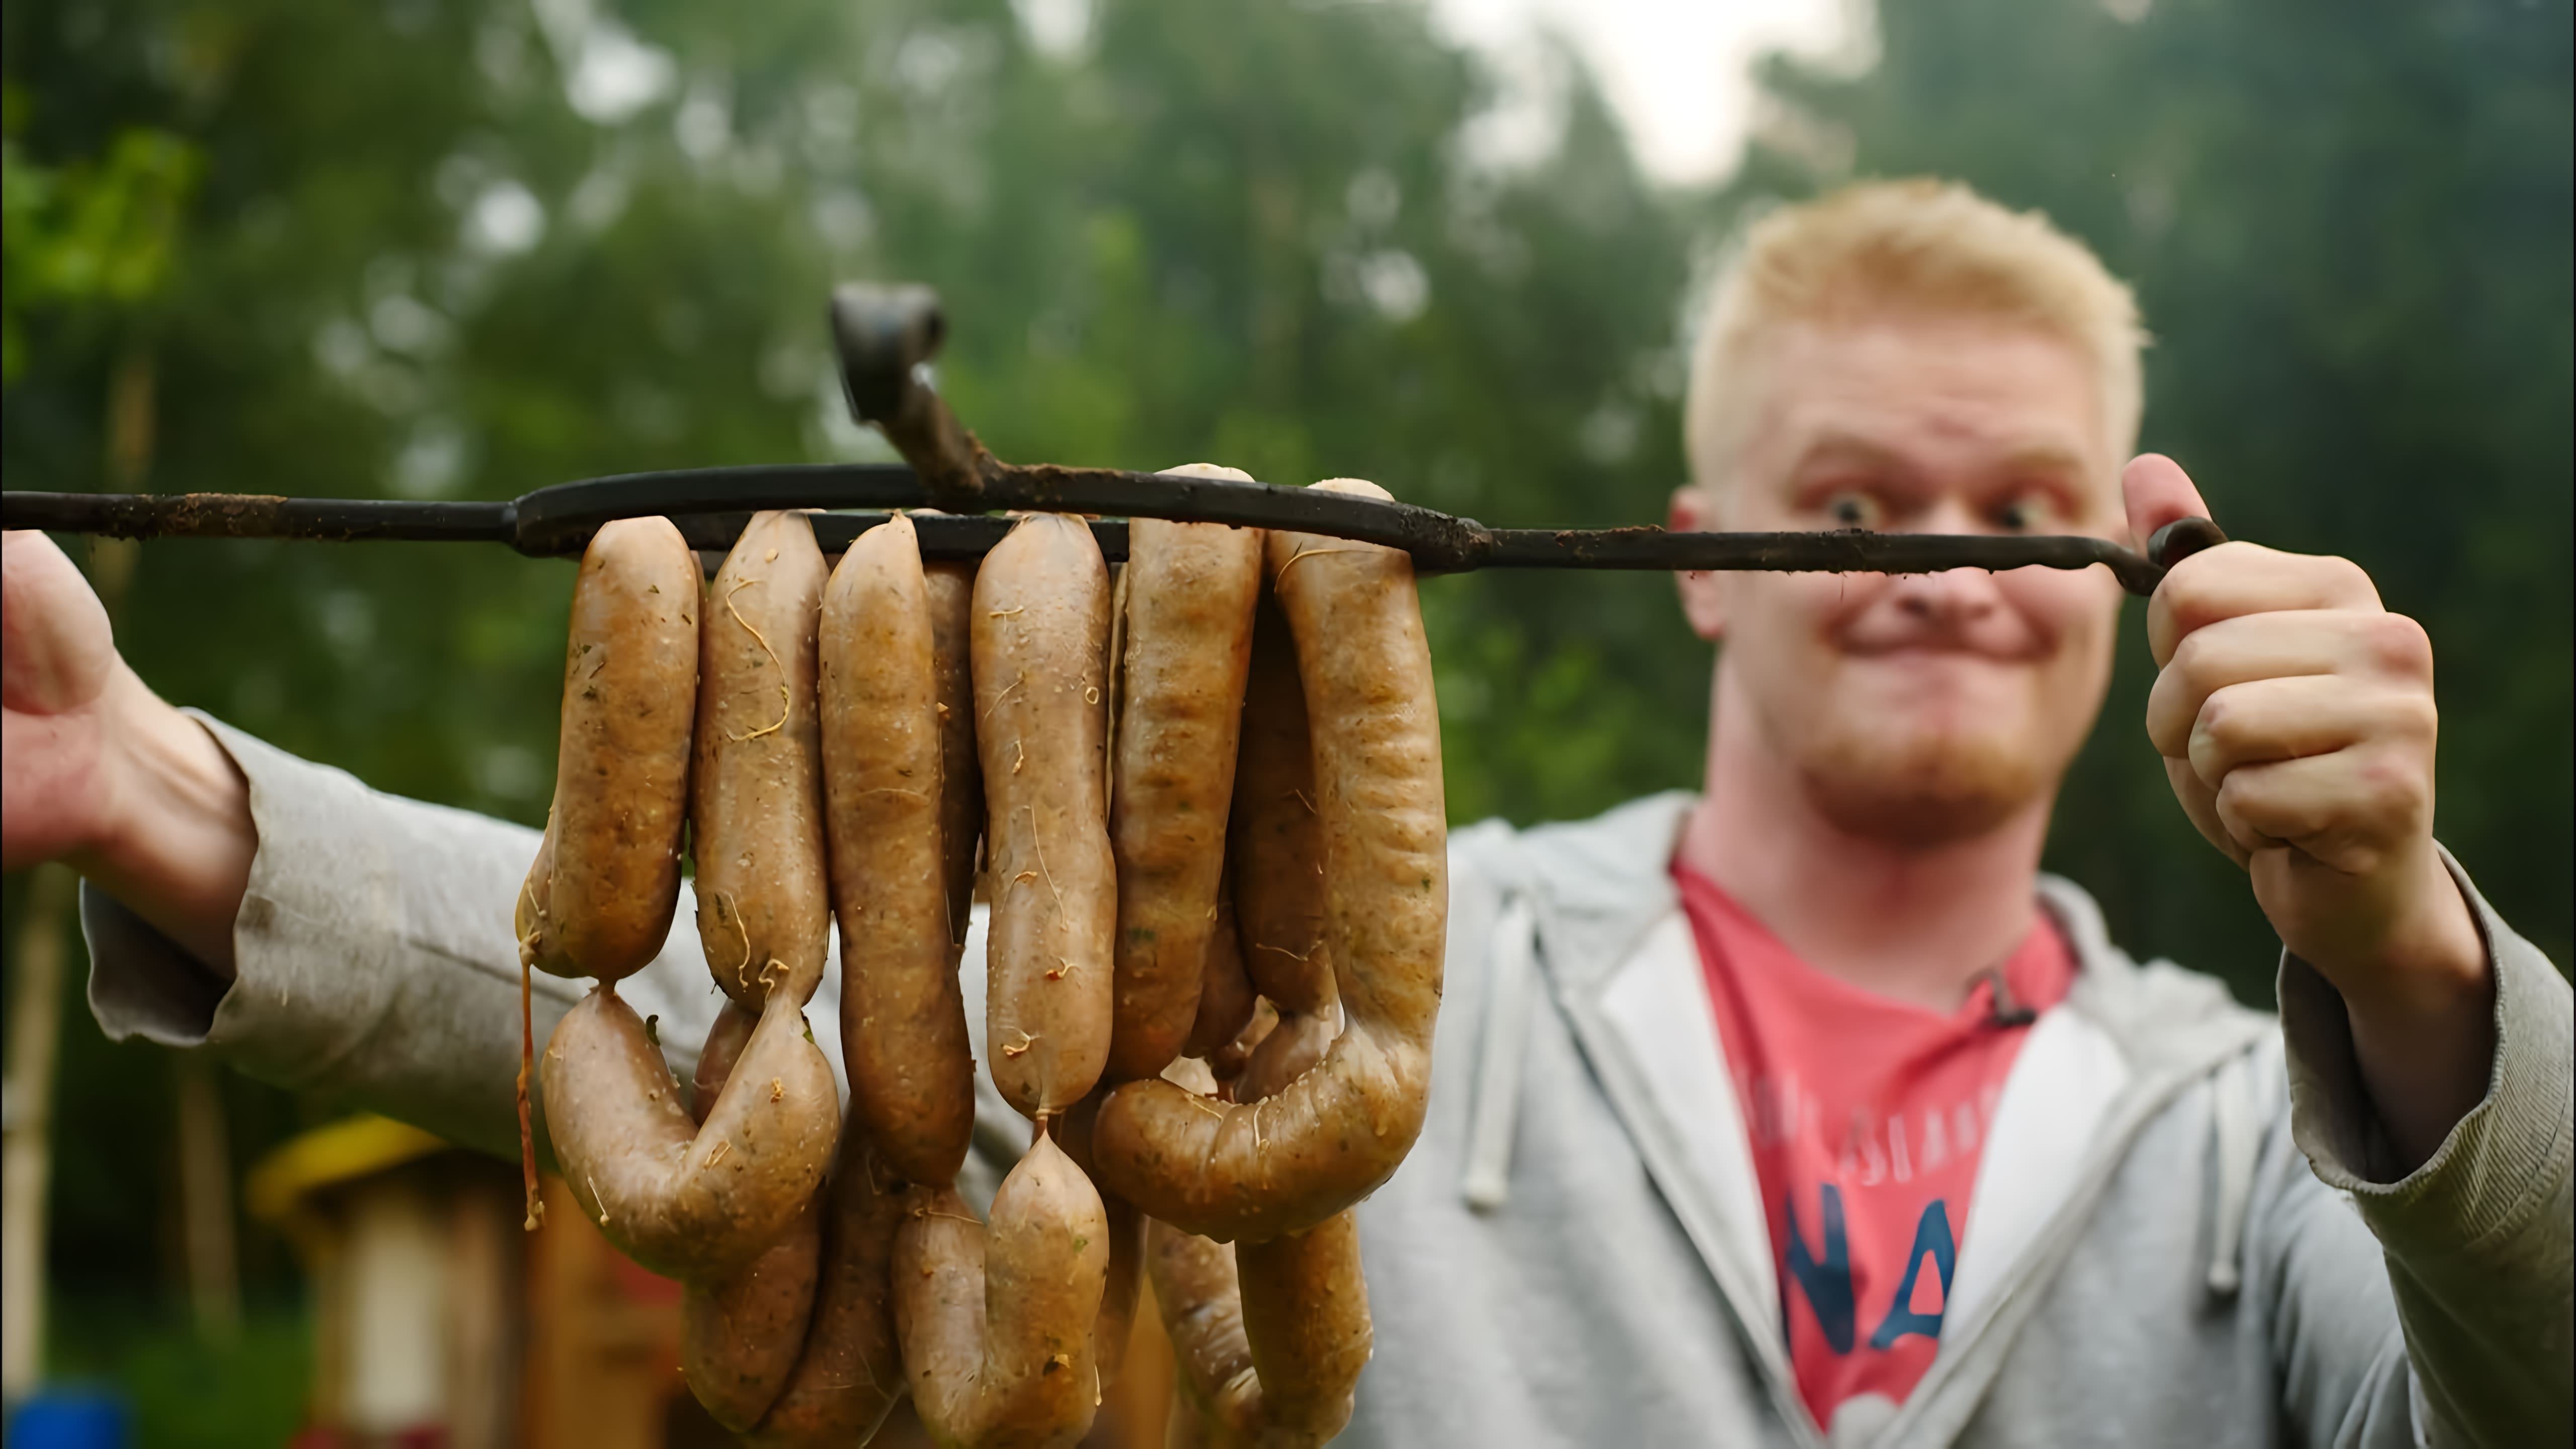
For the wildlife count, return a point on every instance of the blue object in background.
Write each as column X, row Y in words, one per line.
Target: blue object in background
column 70, row 1419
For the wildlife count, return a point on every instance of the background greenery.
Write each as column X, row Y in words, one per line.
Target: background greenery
column 464, row 248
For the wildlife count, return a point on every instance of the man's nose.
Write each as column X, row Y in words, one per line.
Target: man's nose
column 1954, row 597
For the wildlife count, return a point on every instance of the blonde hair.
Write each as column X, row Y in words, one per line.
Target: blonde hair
column 1920, row 246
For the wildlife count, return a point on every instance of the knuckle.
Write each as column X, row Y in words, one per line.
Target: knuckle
column 2225, row 721
column 2398, row 645
column 2390, row 788
column 2190, row 664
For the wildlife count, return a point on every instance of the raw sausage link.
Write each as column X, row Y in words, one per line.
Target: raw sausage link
column 739, row 1335
column 1226, row 997
column 689, row 1202
column 1269, row 1338
column 756, row 797
column 1109, row 1338
column 1258, row 1170
column 1190, row 589
column 951, row 587
column 851, row 1371
column 997, row 1324
column 903, row 1021
column 1276, row 849
column 599, row 900
column 1041, row 627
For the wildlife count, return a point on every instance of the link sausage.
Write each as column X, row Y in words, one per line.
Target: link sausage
column 1284, row 1165
column 903, row 1020
column 1041, row 627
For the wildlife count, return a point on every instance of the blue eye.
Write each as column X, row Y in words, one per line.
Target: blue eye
column 2021, row 515
column 1853, row 510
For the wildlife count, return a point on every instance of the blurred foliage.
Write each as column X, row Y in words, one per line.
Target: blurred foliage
column 185, row 1392
column 85, row 234
column 465, row 248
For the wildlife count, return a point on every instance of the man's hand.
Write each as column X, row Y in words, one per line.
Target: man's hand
column 56, row 658
column 2296, row 718
column 97, row 771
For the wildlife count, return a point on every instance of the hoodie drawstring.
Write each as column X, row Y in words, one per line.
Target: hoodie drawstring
column 2232, row 1123
column 1494, row 1110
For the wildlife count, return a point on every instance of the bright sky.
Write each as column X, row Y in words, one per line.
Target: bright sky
column 1678, row 71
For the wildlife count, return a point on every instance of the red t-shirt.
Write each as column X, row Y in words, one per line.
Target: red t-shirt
column 1866, row 1116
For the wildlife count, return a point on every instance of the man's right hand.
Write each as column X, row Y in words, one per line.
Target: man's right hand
column 99, row 772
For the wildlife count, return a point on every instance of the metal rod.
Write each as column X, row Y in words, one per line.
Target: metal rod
column 711, row 505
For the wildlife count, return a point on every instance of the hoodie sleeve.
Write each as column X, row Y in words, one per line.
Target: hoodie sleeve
column 375, row 960
column 2477, row 1240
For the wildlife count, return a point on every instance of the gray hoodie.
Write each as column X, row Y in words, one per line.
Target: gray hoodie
column 2177, row 1235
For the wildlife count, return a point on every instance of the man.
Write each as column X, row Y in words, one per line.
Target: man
column 1803, row 1111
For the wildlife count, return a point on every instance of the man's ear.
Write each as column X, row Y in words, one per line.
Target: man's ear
column 1703, row 593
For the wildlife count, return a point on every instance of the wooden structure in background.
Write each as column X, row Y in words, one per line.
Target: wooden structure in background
column 438, row 1320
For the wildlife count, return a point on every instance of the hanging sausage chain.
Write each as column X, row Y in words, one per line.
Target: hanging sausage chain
column 837, row 745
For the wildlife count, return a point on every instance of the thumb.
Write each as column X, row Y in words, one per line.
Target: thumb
column 2157, row 491
column 56, row 649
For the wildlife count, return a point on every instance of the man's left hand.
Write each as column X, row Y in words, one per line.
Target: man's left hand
column 2296, row 718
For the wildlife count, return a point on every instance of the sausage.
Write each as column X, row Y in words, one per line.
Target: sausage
column 1284, row 1165
column 997, row 1323
column 1269, row 1338
column 1276, row 846
column 1230, row 1061
column 951, row 587
column 599, row 900
column 1116, row 1324
column 1190, row 589
column 903, row 1020
column 1226, row 997
column 850, row 1372
column 689, row 1202
column 1041, row 625
column 740, row 1334
column 755, row 796
column 1292, row 1047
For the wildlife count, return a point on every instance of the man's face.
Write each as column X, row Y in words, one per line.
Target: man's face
column 1918, row 707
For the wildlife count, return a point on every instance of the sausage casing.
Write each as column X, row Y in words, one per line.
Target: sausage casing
column 997, row 1323
column 1283, row 1165
column 606, row 882
column 1041, row 631
column 903, row 1020
column 756, row 795
column 951, row 587
column 1190, row 589
column 1276, row 846
column 688, row 1201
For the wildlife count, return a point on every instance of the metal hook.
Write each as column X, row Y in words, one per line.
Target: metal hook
column 885, row 338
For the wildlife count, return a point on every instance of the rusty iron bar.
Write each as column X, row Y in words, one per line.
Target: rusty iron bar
column 710, row 505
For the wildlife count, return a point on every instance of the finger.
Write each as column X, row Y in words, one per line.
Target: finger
column 2237, row 579
column 2200, row 803
column 2386, row 649
column 2157, row 491
column 1208, row 470
column 2348, row 810
column 56, row 649
column 2290, row 719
